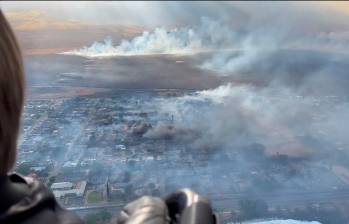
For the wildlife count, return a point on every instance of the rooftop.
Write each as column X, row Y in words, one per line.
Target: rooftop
column 61, row 185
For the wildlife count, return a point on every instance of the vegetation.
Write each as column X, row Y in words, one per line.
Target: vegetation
column 100, row 217
column 94, row 197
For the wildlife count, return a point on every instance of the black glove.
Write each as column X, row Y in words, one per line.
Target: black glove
column 145, row 210
column 188, row 207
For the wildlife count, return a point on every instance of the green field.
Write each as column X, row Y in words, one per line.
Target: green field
column 94, row 197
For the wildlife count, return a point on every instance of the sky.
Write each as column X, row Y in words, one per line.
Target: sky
column 46, row 27
column 152, row 14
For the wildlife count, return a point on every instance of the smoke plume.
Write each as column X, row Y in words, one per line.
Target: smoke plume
column 237, row 116
column 209, row 35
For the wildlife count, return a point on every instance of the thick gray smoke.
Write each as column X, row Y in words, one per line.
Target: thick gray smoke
column 249, row 51
column 295, row 58
column 234, row 116
column 171, row 132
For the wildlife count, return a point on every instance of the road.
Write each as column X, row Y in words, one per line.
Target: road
column 99, row 206
column 222, row 201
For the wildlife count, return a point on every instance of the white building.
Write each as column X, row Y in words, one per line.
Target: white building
column 61, row 186
column 63, row 189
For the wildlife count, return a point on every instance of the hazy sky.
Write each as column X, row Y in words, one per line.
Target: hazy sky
column 151, row 14
column 63, row 24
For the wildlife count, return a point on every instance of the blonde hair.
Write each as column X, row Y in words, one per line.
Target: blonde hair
column 12, row 86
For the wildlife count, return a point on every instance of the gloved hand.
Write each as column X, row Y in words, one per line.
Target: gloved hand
column 145, row 210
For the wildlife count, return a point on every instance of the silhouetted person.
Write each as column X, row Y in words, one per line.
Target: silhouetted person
column 22, row 200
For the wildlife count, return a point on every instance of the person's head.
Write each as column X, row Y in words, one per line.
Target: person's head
column 11, row 95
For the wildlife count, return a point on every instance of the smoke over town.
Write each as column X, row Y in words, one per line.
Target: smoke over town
column 233, row 117
column 244, row 102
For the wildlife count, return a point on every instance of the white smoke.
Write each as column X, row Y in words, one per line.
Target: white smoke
column 250, row 51
column 234, row 51
column 160, row 41
column 327, row 41
column 209, row 35
column 232, row 115
column 235, row 116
